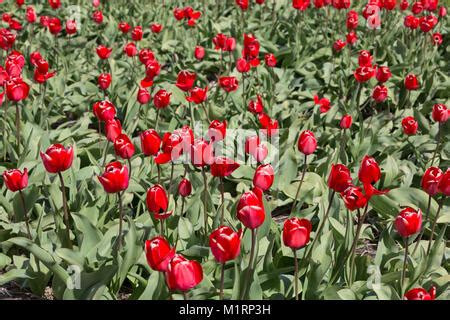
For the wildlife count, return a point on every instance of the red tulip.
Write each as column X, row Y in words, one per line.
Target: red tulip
column 185, row 80
column 270, row 125
column 57, row 158
column 369, row 172
column 243, row 4
column 137, row 33
column 365, row 59
column 104, row 110
column 351, row 38
column 143, row 96
column 440, row 113
column 444, row 184
column 364, row 74
column 255, row 148
column 123, row 146
column 103, row 52
column 228, row 84
column 421, row 294
column 442, row 11
column 197, row 95
column 222, row 166
column 338, row 45
column 389, row 4
column 124, row 27
column 354, row 198
column 157, row 202
column 411, row 82
column 417, row 7
column 104, row 80
column 217, row 130
column 242, row 65
column 436, row 38
column 178, row 13
column 264, row 176
column 161, row 99
column 410, row 126
column 31, row 15
column 185, row 188
column 251, row 198
column 270, row 60
column 430, row 180
column 158, row 253
column 150, row 142
column 307, row 142
column 71, row 27
column 411, row 22
column 97, row 16
column 225, row 244
column 251, row 216
column 324, row 103
column 55, row 4
column 156, row 27
column 199, row 53
column 201, row 153
column 352, row 20
column 256, row 107
column 113, row 128
column 339, row 178
column 346, row 122
column 383, row 74
column 380, row 93
column 296, row 233
column 427, row 23
column 152, row 69
column 301, row 5
column 54, row 25
column 15, row 180
column 130, row 49
column 17, row 89
column 115, row 178
column 408, row 222
column 341, row 4
column 404, row 5
column 183, row 274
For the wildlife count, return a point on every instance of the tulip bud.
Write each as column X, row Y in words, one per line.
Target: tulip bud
column 242, row 65
column 383, row 74
column 123, row 146
column 296, row 233
column 339, row 178
column 369, row 172
column 410, row 126
column 199, row 53
column 130, row 49
column 251, row 216
column 408, row 222
column 431, row 179
column 113, row 128
column 124, row 27
column 339, row 45
column 150, row 142
column 104, row 80
column 270, row 60
column 307, row 142
column 185, row 188
column 364, row 74
column 158, row 202
column 57, row 158
column 228, row 84
column 143, row 96
column 256, row 107
column 115, row 178
column 411, row 82
column 156, row 27
column 346, row 122
column 380, row 93
column 440, row 113
column 225, row 244
column 103, row 52
column 15, row 180
column 137, row 33
column 365, row 59
column 104, row 110
column 161, row 99
column 197, row 95
column 201, row 153
column 158, row 253
column 264, row 176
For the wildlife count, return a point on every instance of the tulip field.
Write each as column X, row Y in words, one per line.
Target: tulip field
column 224, row 150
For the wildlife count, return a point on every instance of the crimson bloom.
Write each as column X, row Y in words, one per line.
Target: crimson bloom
column 57, row 158
column 185, row 80
column 104, row 80
column 324, row 103
column 137, row 33
column 365, row 59
column 380, row 93
column 307, row 142
column 130, row 49
column 112, row 129
column 158, row 202
column 263, row 177
column 201, row 153
column 124, row 27
column 421, row 294
column 199, row 53
column 115, row 178
column 255, row 148
column 411, row 82
column 256, row 106
column 183, row 274
column 17, row 89
column 444, row 184
column 185, row 187
column 251, row 216
column 225, row 243
column 123, row 146
column 296, row 233
column 150, row 142
column 242, row 65
column 383, row 74
column 104, row 110
column 15, row 180
column 352, row 20
column 103, row 52
column 338, row 45
column 97, row 16
column 270, row 60
column 364, row 74
column 339, row 178
column 440, row 113
column 158, row 253
column 346, row 121
column 223, row 166
column 161, row 99
column 217, row 130
column 354, row 198
column 408, row 222
column 197, row 95
column 301, row 5
column 431, row 179
column 369, row 171
column 410, row 126
column 143, row 96
column 228, row 84
column 71, row 27
column 156, row 27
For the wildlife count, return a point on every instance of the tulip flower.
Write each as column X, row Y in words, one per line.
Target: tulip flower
column 270, row 60
column 103, row 52
column 354, row 198
column 123, row 147
column 199, row 53
column 16, row 180
column 369, row 172
column 217, row 130
column 421, row 294
column 137, row 33
column 158, row 253
column 30, row 15
column 338, row 45
column 97, row 17
column 339, row 178
column 364, row 74
column 404, row 4
column 197, row 95
column 104, row 80
column 263, row 177
column 444, row 184
column 296, row 236
column 365, row 59
column 156, row 27
column 161, row 99
column 185, row 188
column 410, row 126
column 158, row 203
column 124, row 27
column 440, row 113
column 256, row 107
column 228, row 84
column 185, row 80
column 55, row 4
column 113, row 128
column 380, row 93
column 143, row 96
column 407, row 223
column 104, row 110
column 352, row 20
column 201, row 153
column 383, row 74
column 225, row 246
column 436, row 39
column 255, row 148
column 130, row 49
column 324, row 104
column 57, row 159
column 346, row 122
column 307, row 142
column 351, row 38
column 71, row 27
column 17, row 89
column 150, row 142
column 430, row 180
column 411, row 82
column 183, row 274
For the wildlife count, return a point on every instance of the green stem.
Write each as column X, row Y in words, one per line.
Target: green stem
column 66, row 210
column 250, row 264
column 223, row 201
column 405, row 264
column 22, row 199
column 119, row 237
column 419, row 238
column 300, row 184
column 18, row 127
column 222, row 278
column 295, row 274
column 205, row 208
column 434, row 224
